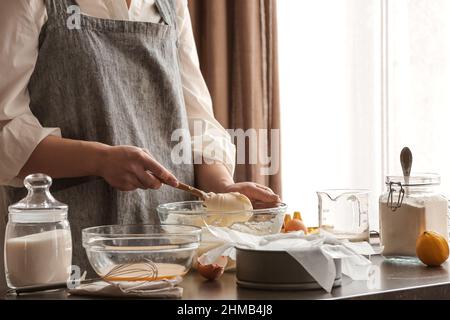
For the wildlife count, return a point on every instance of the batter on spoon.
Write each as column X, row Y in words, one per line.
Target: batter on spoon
column 227, row 202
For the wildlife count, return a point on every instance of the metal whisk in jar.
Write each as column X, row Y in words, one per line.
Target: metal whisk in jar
column 409, row 207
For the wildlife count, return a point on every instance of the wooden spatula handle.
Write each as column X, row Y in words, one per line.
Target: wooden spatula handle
column 196, row 192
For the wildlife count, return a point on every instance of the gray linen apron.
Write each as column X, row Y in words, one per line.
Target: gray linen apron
column 115, row 82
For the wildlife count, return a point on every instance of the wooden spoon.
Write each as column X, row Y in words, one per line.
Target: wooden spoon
column 194, row 191
column 406, row 160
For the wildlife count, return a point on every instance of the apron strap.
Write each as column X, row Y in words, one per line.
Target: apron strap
column 58, row 8
column 167, row 11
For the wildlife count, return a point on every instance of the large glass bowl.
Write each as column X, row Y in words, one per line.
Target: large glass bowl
column 141, row 252
column 262, row 222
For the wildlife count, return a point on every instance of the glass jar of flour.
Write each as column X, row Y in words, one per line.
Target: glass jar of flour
column 410, row 206
column 38, row 242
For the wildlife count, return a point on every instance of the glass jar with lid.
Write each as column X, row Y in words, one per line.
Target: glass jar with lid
column 411, row 206
column 38, row 242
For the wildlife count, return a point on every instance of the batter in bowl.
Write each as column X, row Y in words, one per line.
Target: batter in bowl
column 227, row 202
column 227, row 209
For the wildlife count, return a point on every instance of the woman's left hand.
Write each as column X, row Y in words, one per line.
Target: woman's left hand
column 254, row 191
column 216, row 178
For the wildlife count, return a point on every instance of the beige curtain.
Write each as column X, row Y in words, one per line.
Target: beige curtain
column 237, row 44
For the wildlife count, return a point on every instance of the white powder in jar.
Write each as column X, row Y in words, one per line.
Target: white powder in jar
column 400, row 229
column 40, row 258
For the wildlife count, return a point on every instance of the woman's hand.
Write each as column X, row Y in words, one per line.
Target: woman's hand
column 216, row 178
column 129, row 168
column 254, row 191
column 125, row 168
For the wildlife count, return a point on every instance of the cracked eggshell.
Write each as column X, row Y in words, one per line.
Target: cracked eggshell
column 212, row 271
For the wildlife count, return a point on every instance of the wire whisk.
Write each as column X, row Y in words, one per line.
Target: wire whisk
column 146, row 271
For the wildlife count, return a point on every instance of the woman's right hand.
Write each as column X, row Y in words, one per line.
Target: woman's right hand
column 125, row 168
column 129, row 168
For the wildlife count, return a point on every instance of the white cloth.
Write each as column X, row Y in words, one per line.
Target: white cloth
column 316, row 253
column 167, row 289
column 21, row 22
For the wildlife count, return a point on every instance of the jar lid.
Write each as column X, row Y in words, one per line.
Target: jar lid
column 415, row 180
column 39, row 205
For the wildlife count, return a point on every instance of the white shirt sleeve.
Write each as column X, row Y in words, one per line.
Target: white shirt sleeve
column 209, row 139
column 20, row 131
column 21, row 22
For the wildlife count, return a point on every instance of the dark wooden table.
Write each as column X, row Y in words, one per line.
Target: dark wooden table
column 389, row 281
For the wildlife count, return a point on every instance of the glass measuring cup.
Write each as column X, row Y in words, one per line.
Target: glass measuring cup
column 345, row 213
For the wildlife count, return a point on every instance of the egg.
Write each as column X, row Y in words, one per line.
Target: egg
column 296, row 225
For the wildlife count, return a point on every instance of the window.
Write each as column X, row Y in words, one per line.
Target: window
column 359, row 81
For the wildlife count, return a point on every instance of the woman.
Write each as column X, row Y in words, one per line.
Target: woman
column 94, row 105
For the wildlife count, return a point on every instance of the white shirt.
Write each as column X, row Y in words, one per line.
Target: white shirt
column 21, row 22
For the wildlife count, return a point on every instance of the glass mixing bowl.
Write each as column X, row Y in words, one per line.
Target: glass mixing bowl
column 264, row 221
column 141, row 252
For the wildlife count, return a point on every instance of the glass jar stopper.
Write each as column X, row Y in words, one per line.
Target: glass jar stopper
column 39, row 197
